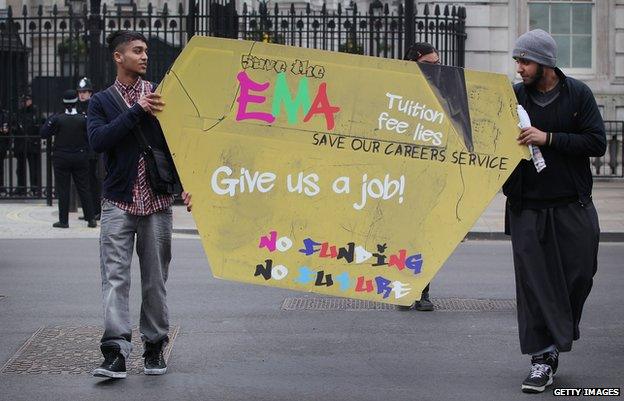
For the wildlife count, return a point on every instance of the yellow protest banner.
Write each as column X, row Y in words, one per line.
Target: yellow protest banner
column 334, row 173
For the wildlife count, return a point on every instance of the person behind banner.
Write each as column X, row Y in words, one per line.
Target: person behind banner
column 69, row 158
column 422, row 52
column 136, row 206
column 549, row 214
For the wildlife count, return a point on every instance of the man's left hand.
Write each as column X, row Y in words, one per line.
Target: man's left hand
column 532, row 136
column 186, row 197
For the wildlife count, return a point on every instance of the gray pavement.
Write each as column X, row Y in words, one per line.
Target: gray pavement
column 235, row 342
column 238, row 342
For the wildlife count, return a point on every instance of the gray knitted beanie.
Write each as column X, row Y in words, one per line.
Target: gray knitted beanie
column 537, row 45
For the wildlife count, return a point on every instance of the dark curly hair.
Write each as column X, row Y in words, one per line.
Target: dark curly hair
column 118, row 38
column 417, row 50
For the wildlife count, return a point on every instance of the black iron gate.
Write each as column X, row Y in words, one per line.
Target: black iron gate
column 47, row 51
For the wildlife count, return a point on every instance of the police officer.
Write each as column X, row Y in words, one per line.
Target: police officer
column 85, row 91
column 70, row 157
column 5, row 142
column 27, row 147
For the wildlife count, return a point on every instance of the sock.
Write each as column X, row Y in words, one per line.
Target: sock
column 550, row 348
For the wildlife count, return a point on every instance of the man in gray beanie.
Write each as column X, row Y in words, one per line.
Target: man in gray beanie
column 549, row 214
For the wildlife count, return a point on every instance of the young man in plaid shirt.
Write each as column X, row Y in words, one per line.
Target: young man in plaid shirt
column 131, row 209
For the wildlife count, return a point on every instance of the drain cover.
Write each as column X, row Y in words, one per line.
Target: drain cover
column 473, row 305
column 72, row 350
column 441, row 304
column 327, row 303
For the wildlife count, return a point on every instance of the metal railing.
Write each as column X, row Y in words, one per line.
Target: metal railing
column 45, row 52
column 378, row 32
column 610, row 165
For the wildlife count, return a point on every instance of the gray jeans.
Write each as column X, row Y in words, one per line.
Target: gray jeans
column 153, row 245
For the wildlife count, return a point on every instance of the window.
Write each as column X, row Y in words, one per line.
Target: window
column 570, row 22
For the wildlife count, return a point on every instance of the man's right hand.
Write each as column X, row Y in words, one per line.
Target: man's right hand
column 151, row 103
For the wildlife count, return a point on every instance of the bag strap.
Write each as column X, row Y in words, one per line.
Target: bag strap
column 138, row 133
column 121, row 103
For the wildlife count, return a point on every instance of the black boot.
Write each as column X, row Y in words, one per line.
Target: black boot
column 114, row 365
column 58, row 224
column 424, row 305
column 154, row 363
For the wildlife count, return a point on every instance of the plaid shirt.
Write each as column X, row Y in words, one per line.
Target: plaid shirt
column 144, row 200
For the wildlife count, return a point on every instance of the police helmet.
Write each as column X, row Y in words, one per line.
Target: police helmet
column 85, row 85
column 70, row 96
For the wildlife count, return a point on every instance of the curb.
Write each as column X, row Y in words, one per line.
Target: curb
column 189, row 231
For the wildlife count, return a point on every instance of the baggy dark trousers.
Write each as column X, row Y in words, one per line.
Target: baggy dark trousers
column 68, row 165
column 555, row 258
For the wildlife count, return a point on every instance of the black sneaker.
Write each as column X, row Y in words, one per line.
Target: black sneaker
column 552, row 359
column 154, row 363
column 114, row 365
column 58, row 224
column 424, row 305
column 540, row 377
column 92, row 224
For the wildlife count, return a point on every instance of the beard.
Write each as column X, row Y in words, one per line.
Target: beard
column 539, row 74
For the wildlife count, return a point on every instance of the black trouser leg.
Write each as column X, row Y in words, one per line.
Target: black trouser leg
column 426, row 290
column 578, row 231
column 2, row 157
column 20, row 171
column 62, row 175
column 80, row 173
column 34, row 169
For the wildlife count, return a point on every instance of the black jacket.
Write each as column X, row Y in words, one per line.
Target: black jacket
column 26, row 131
column 110, row 131
column 69, row 130
column 577, row 134
column 83, row 107
column 5, row 140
